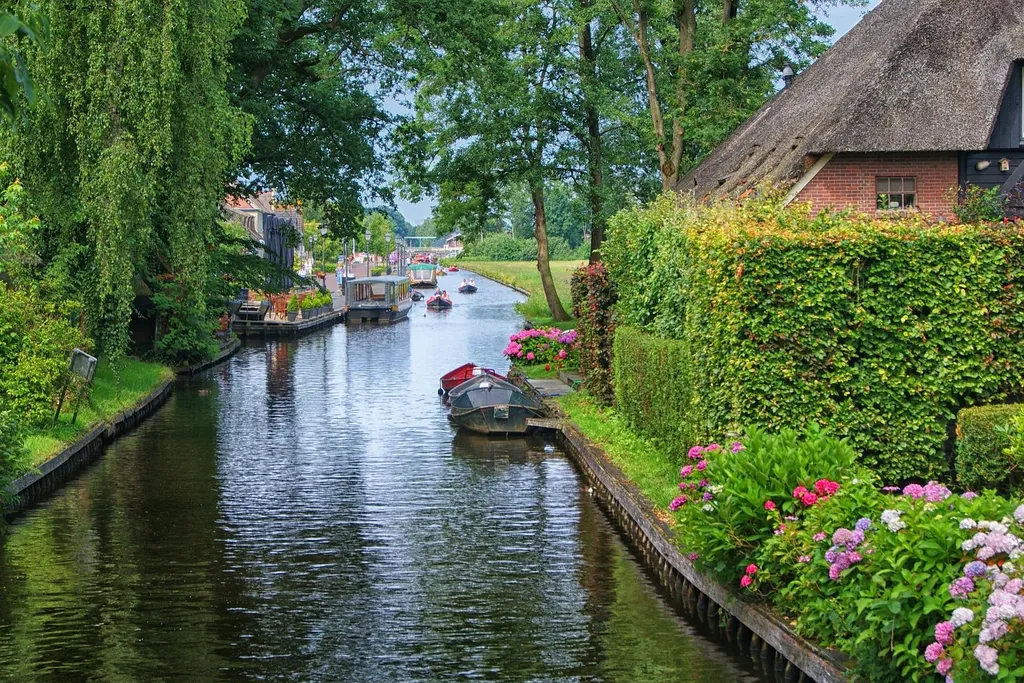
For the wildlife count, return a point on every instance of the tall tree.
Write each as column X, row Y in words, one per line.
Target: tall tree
column 309, row 74
column 489, row 114
column 19, row 29
column 708, row 64
column 129, row 149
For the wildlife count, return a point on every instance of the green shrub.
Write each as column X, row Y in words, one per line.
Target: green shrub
column 503, row 247
column 36, row 340
column 593, row 304
column 877, row 329
column 653, row 388
column 983, row 439
column 12, row 453
column 293, row 304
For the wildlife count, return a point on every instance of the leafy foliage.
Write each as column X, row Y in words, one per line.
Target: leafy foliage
column 130, row 149
column 12, row 452
column 901, row 324
column 976, row 204
column 593, row 305
column 18, row 29
column 502, row 247
column 983, row 440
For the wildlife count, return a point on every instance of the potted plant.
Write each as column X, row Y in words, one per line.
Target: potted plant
column 293, row 308
column 308, row 306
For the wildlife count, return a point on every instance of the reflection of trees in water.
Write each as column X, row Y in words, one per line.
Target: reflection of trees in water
column 280, row 377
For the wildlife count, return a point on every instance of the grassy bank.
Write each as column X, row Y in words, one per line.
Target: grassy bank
column 524, row 275
column 114, row 389
column 640, row 460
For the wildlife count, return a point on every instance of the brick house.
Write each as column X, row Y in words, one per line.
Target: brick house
column 920, row 99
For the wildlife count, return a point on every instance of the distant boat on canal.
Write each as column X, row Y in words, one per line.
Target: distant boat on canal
column 467, row 287
column 488, row 405
column 382, row 299
column 422, row 275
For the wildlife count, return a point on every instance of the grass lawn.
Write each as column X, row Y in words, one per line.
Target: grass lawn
column 113, row 390
column 523, row 274
column 647, row 466
column 537, row 371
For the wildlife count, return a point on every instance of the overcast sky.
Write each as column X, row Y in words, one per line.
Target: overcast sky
column 843, row 18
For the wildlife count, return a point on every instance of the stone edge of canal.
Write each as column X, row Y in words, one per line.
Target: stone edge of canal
column 757, row 632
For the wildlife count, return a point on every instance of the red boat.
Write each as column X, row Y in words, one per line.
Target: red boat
column 462, row 373
column 453, row 269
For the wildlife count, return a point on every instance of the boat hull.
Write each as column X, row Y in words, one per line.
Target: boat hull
column 382, row 315
column 467, row 289
column 494, row 419
column 439, row 305
column 464, row 373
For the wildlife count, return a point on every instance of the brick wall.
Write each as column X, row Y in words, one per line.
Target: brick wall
column 848, row 180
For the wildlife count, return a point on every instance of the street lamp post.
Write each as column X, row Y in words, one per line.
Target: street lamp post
column 323, row 238
column 387, row 259
column 367, row 235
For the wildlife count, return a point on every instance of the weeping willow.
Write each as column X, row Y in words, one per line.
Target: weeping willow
column 129, row 148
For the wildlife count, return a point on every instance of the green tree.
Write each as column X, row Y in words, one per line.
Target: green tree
column 489, row 114
column 129, row 151
column 709, row 64
column 304, row 71
column 379, row 225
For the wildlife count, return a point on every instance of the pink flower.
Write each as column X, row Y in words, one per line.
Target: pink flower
column 702, row 483
column 933, row 652
column 944, row 666
column 711, row 448
column 820, row 536
column 824, row 487
column 751, row 569
column 808, row 499
column 799, row 492
column 736, row 447
column 695, row 453
column 530, row 356
column 803, row 559
column 685, row 472
column 769, row 505
column 693, row 557
column 562, row 354
column 746, row 580
column 677, row 503
column 702, row 465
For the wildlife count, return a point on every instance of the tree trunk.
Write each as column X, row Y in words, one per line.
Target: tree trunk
column 595, row 186
column 540, row 232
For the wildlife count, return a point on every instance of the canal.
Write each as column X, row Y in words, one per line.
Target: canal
column 304, row 512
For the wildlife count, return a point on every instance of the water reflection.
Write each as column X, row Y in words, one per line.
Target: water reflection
column 304, row 512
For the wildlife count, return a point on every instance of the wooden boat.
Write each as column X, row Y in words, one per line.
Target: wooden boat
column 382, row 299
column 416, row 296
column 464, row 372
column 467, row 289
column 489, row 405
column 439, row 302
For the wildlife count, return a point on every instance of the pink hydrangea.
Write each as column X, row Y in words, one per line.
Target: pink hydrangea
column 695, row 453
column 769, row 505
column 686, row 471
column 746, row 580
column 933, row 652
column 799, row 492
column 809, row 499
column 702, row 465
column 530, row 356
column 677, row 502
column 751, row 569
column 825, row 487
column 820, row 536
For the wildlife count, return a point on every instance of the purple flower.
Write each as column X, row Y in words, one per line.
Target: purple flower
column 974, row 569
column 702, row 483
column 695, row 453
column 944, row 666
column 686, row 471
column 913, row 491
column 968, row 495
column 707, row 496
column 933, row 652
column 961, row 588
column 863, row 524
column 944, row 632
column 891, row 489
column 830, row 555
column 820, row 536
column 988, row 658
column 736, row 447
column 834, row 572
column 677, row 503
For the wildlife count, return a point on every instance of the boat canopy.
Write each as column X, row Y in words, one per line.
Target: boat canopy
column 486, row 390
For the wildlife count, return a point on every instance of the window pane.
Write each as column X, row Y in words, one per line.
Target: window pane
column 895, row 185
column 909, row 200
column 909, row 184
column 882, row 185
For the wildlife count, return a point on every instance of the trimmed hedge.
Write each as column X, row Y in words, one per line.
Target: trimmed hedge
column 653, row 388
column 983, row 437
column 593, row 305
column 880, row 330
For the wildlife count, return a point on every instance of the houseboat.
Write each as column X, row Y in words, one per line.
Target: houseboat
column 422, row 275
column 382, row 299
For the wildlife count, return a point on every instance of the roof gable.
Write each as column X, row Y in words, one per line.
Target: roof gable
column 913, row 75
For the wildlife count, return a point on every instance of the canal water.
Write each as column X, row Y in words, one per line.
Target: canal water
column 304, row 512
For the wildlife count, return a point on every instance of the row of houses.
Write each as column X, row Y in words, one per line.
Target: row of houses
column 921, row 99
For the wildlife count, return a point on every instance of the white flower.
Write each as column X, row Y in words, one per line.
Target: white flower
column 968, row 523
column 969, row 544
column 891, row 519
column 1008, row 568
column 961, row 616
column 707, row 507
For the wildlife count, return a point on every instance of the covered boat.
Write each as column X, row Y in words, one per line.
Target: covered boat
column 464, row 372
column 488, row 405
column 422, row 275
column 383, row 299
column 439, row 302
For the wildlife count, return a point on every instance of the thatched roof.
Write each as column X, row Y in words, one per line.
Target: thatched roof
column 913, row 75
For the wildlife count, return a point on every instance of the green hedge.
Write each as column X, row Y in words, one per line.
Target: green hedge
column 653, row 388
column 983, row 437
column 593, row 306
column 880, row 330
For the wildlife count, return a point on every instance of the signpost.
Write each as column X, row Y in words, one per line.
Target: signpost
column 84, row 366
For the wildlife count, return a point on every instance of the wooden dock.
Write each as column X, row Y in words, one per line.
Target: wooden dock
column 283, row 328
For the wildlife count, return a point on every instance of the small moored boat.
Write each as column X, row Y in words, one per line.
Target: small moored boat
column 439, row 302
column 489, row 405
column 464, row 372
